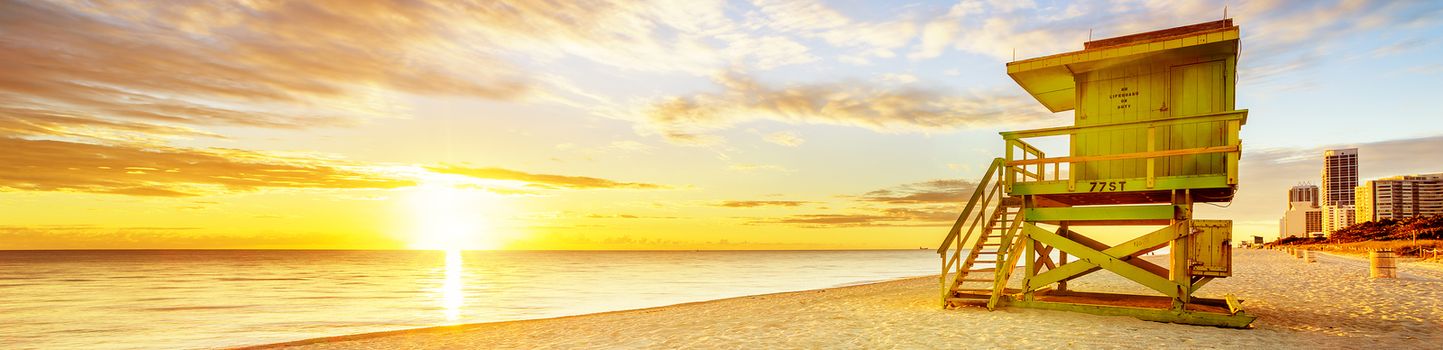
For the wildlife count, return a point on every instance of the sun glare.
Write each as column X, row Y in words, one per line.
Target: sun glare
column 447, row 216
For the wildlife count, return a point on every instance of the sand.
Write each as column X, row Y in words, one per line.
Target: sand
column 1328, row 304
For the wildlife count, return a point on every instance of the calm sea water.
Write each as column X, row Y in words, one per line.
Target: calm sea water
column 210, row 299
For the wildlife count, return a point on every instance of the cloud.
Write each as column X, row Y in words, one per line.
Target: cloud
column 834, row 220
column 890, row 218
column 629, row 145
column 626, row 216
column 1266, row 174
column 747, row 168
column 785, row 138
column 814, row 20
column 998, row 29
column 179, row 237
column 932, row 203
column 681, row 119
column 46, row 165
column 690, row 37
column 545, row 181
column 1426, row 69
column 934, row 191
column 284, row 64
column 1278, row 36
column 118, row 70
column 754, row 204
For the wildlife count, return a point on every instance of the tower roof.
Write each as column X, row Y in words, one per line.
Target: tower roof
column 1049, row 79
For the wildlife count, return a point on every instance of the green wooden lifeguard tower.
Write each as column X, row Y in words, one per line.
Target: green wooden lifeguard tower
column 1155, row 131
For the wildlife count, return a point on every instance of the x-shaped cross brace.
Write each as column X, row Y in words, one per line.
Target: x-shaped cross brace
column 1121, row 259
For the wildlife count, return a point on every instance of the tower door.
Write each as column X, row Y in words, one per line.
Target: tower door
column 1198, row 88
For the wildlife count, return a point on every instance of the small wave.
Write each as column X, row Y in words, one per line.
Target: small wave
column 244, row 279
column 155, row 299
column 317, row 297
column 189, row 308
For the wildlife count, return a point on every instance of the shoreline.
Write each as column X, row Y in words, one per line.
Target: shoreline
column 1327, row 304
column 464, row 326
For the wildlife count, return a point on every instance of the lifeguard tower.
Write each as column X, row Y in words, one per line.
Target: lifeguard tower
column 1155, row 131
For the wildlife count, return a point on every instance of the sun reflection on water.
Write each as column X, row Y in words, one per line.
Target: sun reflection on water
column 452, row 297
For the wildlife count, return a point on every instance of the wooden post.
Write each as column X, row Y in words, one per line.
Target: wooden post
column 1178, row 249
column 1151, row 161
column 1382, row 264
column 1007, row 169
column 1030, row 268
column 1061, row 255
column 1232, row 157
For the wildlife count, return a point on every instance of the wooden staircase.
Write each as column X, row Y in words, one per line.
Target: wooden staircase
column 996, row 251
column 980, row 276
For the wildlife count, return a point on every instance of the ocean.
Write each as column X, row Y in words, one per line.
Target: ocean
column 149, row 299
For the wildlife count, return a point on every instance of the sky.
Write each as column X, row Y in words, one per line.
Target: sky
column 623, row 125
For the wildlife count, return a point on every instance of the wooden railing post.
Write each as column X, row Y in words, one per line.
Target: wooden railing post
column 1151, row 161
column 1232, row 157
column 1008, row 169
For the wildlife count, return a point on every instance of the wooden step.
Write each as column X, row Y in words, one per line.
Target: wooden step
column 985, row 261
column 966, row 299
column 983, row 270
column 977, row 280
column 988, row 290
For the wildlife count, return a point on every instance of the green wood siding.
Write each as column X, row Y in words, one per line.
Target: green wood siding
column 1149, row 90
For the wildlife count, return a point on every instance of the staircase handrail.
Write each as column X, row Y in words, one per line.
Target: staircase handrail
column 983, row 186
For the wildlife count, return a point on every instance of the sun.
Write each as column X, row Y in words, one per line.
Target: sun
column 447, row 215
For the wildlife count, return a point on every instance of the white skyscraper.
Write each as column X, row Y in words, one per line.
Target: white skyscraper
column 1340, row 179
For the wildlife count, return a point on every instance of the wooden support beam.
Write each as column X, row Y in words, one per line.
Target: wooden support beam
column 1044, row 256
column 1089, row 257
column 1163, row 183
column 1198, row 283
column 1078, row 269
column 1130, row 255
column 1134, row 155
column 1131, row 212
column 1237, row 319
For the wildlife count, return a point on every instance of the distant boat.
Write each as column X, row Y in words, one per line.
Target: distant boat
column 921, row 248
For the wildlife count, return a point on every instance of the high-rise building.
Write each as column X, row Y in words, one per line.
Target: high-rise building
column 1303, row 193
column 1304, row 218
column 1400, row 197
column 1340, row 176
column 1340, row 179
column 1336, row 217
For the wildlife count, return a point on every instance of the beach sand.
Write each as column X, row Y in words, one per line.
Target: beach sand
column 1328, row 304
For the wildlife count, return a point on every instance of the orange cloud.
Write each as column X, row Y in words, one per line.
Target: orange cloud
column 148, row 67
column 541, row 180
column 920, row 204
column 686, row 119
column 753, row 204
column 45, row 165
column 935, row 191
